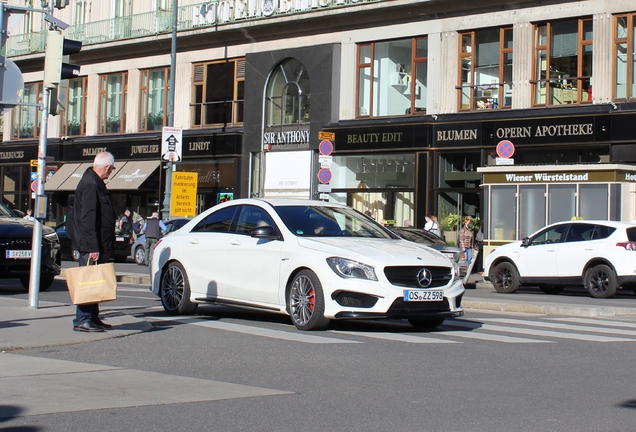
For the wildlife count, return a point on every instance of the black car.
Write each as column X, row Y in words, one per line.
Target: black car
column 122, row 244
column 418, row 235
column 16, row 235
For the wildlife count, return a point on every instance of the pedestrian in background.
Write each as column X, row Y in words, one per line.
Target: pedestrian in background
column 28, row 215
column 153, row 229
column 125, row 224
column 93, row 231
column 431, row 225
column 466, row 239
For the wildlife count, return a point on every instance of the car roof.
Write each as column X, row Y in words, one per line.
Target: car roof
column 615, row 224
column 277, row 202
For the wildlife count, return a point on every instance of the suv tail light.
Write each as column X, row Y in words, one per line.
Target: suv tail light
column 630, row 245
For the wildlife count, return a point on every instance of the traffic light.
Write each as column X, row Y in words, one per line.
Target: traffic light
column 61, row 4
column 55, row 70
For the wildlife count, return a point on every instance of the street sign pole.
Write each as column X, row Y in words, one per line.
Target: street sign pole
column 40, row 204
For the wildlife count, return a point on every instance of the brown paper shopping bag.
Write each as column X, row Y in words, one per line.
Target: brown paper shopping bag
column 91, row 283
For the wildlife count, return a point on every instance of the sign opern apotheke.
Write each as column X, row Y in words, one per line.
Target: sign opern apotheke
column 545, row 130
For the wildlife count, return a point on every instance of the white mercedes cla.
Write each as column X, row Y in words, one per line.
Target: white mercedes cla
column 311, row 260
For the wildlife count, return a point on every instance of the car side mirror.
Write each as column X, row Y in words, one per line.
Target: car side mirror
column 525, row 242
column 265, row 231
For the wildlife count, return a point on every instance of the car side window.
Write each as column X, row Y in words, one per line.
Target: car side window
column 551, row 235
column 218, row 221
column 580, row 232
column 251, row 217
column 603, row 231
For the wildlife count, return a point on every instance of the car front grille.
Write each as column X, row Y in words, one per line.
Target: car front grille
column 407, row 276
column 400, row 307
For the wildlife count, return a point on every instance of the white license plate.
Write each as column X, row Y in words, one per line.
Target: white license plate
column 423, row 295
column 119, row 238
column 19, row 254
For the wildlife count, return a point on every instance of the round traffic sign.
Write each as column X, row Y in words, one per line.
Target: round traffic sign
column 34, row 186
column 324, row 175
column 326, row 147
column 505, row 149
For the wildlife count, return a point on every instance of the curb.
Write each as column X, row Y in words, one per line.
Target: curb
column 579, row 311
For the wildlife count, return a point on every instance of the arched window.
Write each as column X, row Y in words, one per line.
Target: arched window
column 288, row 94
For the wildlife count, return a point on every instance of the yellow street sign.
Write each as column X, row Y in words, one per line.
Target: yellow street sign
column 183, row 196
column 331, row 136
column 34, row 162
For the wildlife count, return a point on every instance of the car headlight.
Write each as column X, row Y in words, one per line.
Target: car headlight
column 455, row 270
column 346, row 268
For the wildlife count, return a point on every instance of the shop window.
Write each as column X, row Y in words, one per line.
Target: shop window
column 26, row 119
column 532, row 209
column 485, row 69
column 561, row 203
column 625, row 57
column 392, row 77
column 218, row 93
column 154, row 99
column 593, row 202
column 563, row 58
column 459, row 170
column 73, row 117
column 288, row 95
column 112, row 102
column 504, row 213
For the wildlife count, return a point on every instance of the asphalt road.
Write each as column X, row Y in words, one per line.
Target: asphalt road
column 233, row 370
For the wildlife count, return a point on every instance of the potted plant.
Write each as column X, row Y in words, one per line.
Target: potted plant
column 448, row 224
column 26, row 130
column 155, row 121
column 73, row 127
column 112, row 124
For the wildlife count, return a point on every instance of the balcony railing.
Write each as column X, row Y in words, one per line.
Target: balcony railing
column 190, row 17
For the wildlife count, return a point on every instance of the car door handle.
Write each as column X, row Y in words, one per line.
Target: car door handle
column 193, row 241
column 235, row 243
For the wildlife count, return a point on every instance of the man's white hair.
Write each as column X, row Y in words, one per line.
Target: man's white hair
column 103, row 159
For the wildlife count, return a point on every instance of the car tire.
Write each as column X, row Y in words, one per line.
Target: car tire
column 600, row 281
column 426, row 323
column 140, row 255
column 306, row 303
column 45, row 282
column 505, row 277
column 551, row 289
column 175, row 291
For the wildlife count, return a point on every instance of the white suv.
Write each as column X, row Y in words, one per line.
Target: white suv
column 601, row 255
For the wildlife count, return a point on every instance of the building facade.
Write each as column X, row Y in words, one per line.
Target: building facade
column 417, row 96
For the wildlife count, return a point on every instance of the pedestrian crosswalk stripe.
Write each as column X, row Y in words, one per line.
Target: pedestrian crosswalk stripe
column 535, row 332
column 491, row 337
column 258, row 331
column 397, row 337
column 597, row 322
column 621, row 332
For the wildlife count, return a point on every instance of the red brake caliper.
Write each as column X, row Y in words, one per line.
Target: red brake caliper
column 311, row 300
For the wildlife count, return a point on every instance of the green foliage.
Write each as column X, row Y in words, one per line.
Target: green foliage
column 155, row 119
column 74, row 126
column 449, row 222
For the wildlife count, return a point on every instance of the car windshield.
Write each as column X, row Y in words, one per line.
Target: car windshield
column 5, row 212
column 319, row 221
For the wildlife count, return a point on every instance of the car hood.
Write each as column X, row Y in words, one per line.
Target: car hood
column 382, row 251
column 20, row 227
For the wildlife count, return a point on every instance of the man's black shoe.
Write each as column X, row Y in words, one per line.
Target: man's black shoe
column 88, row 326
column 102, row 324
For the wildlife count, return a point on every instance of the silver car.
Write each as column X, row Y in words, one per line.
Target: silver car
column 138, row 249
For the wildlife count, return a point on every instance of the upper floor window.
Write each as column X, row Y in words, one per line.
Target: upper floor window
column 392, row 77
column 74, row 115
column 563, row 62
column 26, row 121
column 112, row 102
column 219, row 93
column 625, row 57
column 288, row 94
column 485, row 69
column 154, row 98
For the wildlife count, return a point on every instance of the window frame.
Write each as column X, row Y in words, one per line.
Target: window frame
column 410, row 88
column 104, row 103
column 628, row 40
column 17, row 126
column 64, row 121
column 200, row 83
column 547, row 47
column 472, row 55
column 144, row 98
